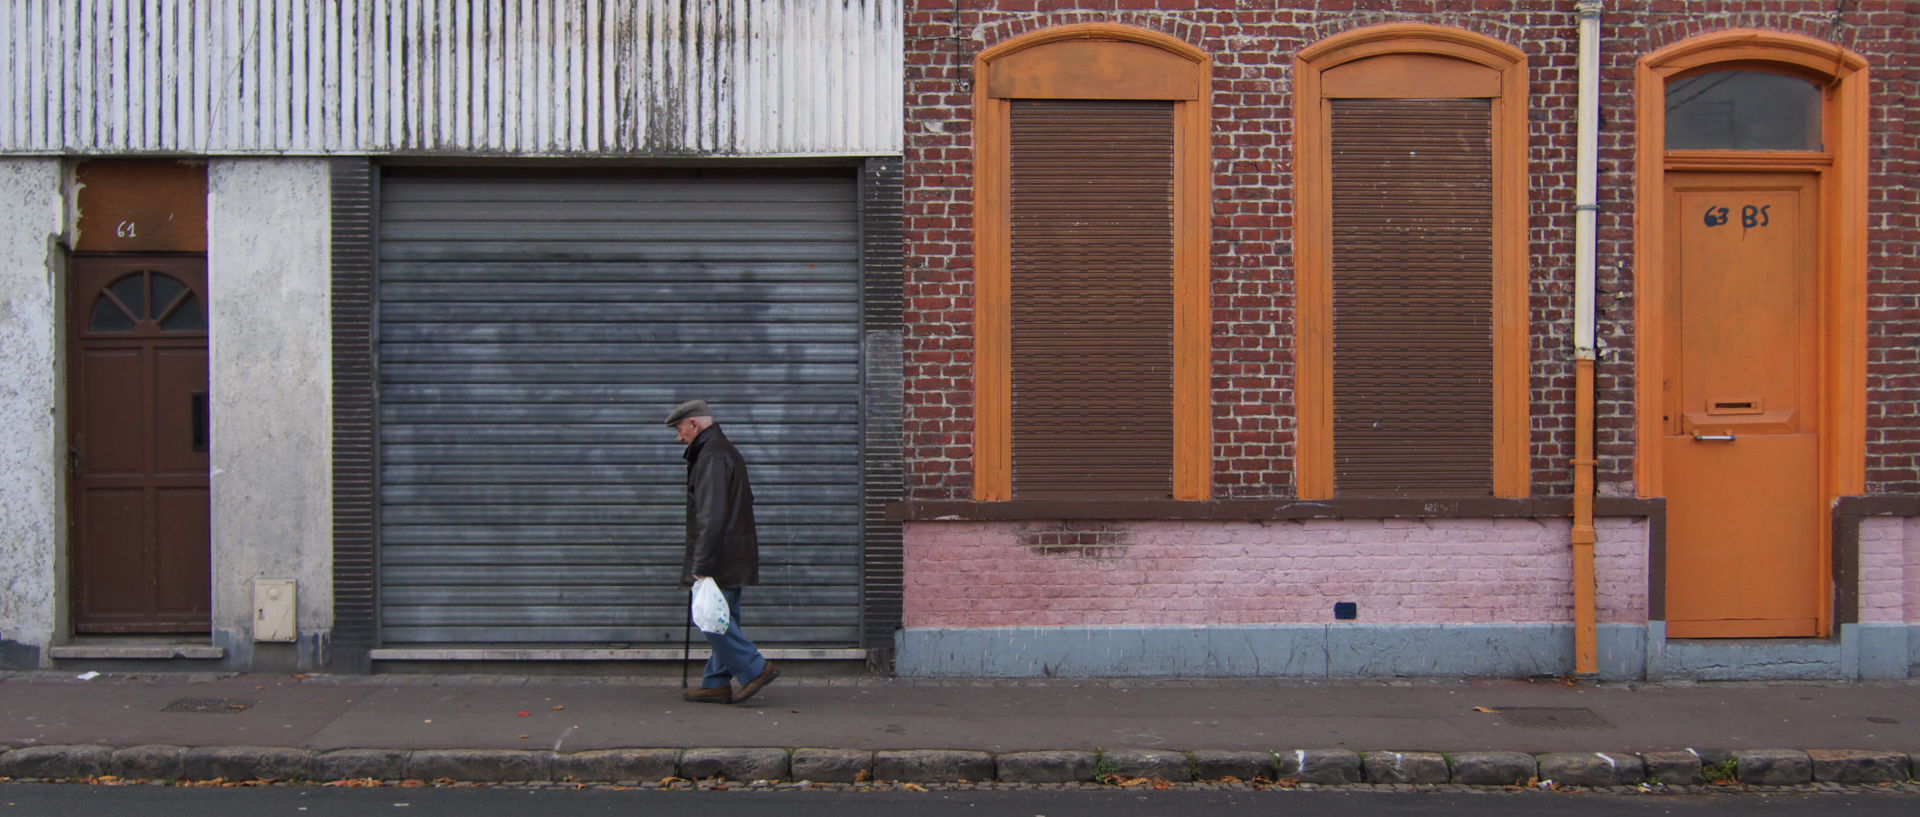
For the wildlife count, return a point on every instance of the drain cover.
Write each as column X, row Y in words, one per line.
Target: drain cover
column 1551, row 717
column 212, row 706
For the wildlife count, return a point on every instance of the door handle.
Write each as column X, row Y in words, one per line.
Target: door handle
column 199, row 410
column 1713, row 438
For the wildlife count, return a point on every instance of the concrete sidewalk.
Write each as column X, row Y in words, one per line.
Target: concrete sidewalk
column 565, row 715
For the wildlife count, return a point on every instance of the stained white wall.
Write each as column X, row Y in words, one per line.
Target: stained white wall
column 30, row 450
column 507, row 77
column 270, row 363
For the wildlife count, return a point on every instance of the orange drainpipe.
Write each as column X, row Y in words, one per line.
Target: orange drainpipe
column 1586, row 653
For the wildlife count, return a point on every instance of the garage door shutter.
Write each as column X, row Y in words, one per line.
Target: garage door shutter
column 535, row 328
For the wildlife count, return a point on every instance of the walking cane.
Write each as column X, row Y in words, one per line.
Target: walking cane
column 686, row 644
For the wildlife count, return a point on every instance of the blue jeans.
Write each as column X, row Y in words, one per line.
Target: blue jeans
column 734, row 655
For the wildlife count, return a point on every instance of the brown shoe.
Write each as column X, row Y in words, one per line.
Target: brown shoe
column 766, row 677
column 716, row 695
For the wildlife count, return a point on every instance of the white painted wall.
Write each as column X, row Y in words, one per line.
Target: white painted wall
column 270, row 364
column 31, row 214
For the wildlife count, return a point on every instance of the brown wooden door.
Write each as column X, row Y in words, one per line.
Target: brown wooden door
column 138, row 388
column 1741, row 410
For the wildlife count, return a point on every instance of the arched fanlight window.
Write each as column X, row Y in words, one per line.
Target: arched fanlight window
column 154, row 299
column 1743, row 110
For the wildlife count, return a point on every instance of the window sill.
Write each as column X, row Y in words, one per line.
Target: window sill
column 1230, row 510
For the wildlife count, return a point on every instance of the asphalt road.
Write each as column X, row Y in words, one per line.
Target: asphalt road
column 101, row 801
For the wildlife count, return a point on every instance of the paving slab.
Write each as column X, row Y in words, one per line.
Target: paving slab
column 567, row 715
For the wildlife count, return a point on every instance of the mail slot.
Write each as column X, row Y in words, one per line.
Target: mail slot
column 1749, row 405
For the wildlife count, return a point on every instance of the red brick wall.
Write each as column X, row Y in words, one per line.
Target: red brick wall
column 1253, row 363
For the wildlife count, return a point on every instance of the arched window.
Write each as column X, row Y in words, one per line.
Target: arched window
column 1410, row 264
column 147, row 301
column 1091, row 267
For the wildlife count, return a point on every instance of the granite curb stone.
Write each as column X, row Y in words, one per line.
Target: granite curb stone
column 616, row 765
column 735, row 764
column 358, row 764
column 933, row 766
column 77, row 760
column 1855, row 766
column 1405, row 767
column 1764, row 767
column 1673, row 768
column 1592, row 768
column 831, row 765
column 1773, row 767
column 1046, row 767
column 1154, row 763
column 480, row 765
column 1209, row 764
column 1493, row 768
column 149, row 762
column 1326, row 767
column 246, row 763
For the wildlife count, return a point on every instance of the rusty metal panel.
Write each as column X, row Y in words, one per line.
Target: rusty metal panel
column 141, row 205
column 1092, row 214
column 500, row 77
column 1413, row 297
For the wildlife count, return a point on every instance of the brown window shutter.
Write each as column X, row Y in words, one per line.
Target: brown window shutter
column 1092, row 290
column 1413, row 297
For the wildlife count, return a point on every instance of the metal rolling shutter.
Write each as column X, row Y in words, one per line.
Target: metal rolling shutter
column 1413, row 296
column 535, row 328
column 1092, row 217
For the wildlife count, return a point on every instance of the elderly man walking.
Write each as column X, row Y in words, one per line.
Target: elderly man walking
column 721, row 543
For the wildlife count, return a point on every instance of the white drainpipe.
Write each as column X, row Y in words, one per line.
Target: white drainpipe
column 1586, row 172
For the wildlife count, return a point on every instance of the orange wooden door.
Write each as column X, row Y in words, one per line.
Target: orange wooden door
column 139, row 445
column 1741, row 406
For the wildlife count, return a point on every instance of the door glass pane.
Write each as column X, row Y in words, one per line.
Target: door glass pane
column 1743, row 110
column 108, row 317
column 132, row 291
column 186, row 318
column 165, row 289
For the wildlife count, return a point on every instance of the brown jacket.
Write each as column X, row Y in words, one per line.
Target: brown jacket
column 721, row 539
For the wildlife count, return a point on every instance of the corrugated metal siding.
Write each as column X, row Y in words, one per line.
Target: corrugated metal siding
column 533, row 332
column 1413, row 296
column 1092, row 218
column 508, row 77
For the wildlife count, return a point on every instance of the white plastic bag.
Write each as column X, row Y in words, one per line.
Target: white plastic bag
column 710, row 611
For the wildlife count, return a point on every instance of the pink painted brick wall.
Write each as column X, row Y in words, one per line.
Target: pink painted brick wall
column 1910, row 539
column 1884, row 576
column 1441, row 571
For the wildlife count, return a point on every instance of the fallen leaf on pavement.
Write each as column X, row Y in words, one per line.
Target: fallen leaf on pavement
column 525, row 713
column 356, row 783
column 1486, row 709
column 524, row 737
column 558, row 707
column 300, row 675
column 914, row 787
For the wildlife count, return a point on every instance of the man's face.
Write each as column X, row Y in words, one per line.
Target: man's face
column 686, row 430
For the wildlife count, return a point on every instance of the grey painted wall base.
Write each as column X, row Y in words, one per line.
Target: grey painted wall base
column 1626, row 652
column 1862, row 652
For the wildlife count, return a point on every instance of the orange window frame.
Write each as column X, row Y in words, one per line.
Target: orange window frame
column 1842, row 169
column 1091, row 61
column 1416, row 61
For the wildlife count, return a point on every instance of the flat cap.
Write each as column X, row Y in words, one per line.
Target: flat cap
column 691, row 408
